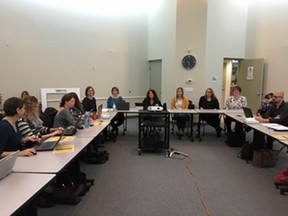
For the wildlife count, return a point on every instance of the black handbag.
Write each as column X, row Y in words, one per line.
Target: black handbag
column 246, row 152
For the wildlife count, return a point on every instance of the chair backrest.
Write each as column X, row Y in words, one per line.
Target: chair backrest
column 191, row 105
column 51, row 112
column 164, row 106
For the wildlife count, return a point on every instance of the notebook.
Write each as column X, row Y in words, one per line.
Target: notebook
column 249, row 116
column 47, row 145
column 71, row 130
column 123, row 106
column 7, row 163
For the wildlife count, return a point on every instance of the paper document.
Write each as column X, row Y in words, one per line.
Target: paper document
column 281, row 137
column 64, row 138
column 63, row 149
column 275, row 126
column 101, row 123
column 251, row 121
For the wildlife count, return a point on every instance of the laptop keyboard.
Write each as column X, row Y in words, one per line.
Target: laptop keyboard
column 69, row 131
column 45, row 145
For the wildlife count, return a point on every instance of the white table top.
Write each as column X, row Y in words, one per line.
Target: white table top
column 210, row 111
column 131, row 110
column 47, row 162
column 17, row 188
column 91, row 132
column 239, row 116
column 189, row 111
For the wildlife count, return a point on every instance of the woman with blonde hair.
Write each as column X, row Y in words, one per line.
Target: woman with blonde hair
column 180, row 102
column 31, row 124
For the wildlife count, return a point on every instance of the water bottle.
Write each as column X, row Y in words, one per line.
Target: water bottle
column 114, row 107
column 86, row 119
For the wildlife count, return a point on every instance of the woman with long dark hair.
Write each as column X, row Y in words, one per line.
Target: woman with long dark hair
column 210, row 101
column 151, row 99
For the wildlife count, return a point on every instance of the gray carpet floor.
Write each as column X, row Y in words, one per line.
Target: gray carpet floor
column 212, row 181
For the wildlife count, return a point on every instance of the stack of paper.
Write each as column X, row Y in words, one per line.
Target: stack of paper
column 251, row 121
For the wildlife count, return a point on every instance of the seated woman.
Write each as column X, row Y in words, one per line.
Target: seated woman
column 209, row 101
column 31, row 124
column 77, row 109
column 180, row 102
column 10, row 138
column 89, row 102
column 24, row 94
column 236, row 101
column 64, row 117
column 113, row 101
column 151, row 99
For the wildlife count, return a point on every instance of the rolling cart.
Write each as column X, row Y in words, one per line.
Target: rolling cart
column 154, row 127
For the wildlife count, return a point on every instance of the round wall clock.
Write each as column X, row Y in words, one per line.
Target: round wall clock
column 188, row 62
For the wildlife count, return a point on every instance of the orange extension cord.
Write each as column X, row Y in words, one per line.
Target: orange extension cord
column 188, row 166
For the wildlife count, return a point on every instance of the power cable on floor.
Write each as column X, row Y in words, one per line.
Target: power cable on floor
column 188, row 166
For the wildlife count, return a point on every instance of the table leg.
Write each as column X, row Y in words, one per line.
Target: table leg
column 199, row 128
column 191, row 128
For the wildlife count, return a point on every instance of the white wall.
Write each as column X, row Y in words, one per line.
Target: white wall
column 49, row 47
column 43, row 46
column 226, row 38
column 191, row 39
column 267, row 38
column 162, row 33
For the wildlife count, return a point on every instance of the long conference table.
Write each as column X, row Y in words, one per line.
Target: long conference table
column 237, row 115
column 19, row 188
column 31, row 174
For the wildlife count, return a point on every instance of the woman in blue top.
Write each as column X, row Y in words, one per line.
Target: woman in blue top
column 112, row 102
column 10, row 138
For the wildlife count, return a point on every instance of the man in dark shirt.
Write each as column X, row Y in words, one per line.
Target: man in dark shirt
column 278, row 113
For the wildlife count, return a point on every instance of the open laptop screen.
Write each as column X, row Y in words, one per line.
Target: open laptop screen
column 7, row 163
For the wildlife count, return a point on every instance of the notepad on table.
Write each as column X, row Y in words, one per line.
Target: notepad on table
column 101, row 123
column 63, row 149
column 281, row 137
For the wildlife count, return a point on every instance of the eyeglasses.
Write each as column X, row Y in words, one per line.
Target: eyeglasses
column 277, row 96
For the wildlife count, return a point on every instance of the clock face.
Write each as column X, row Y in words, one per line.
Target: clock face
column 188, row 62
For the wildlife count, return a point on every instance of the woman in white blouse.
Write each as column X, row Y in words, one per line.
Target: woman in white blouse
column 236, row 101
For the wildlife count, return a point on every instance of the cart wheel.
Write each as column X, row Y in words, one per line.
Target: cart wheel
column 139, row 152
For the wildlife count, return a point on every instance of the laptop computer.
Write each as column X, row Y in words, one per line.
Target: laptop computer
column 249, row 116
column 123, row 106
column 71, row 130
column 247, row 112
column 99, row 111
column 47, row 145
column 7, row 163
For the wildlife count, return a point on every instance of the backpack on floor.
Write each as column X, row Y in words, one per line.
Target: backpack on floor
column 69, row 187
column 246, row 152
column 235, row 139
column 98, row 157
column 282, row 177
